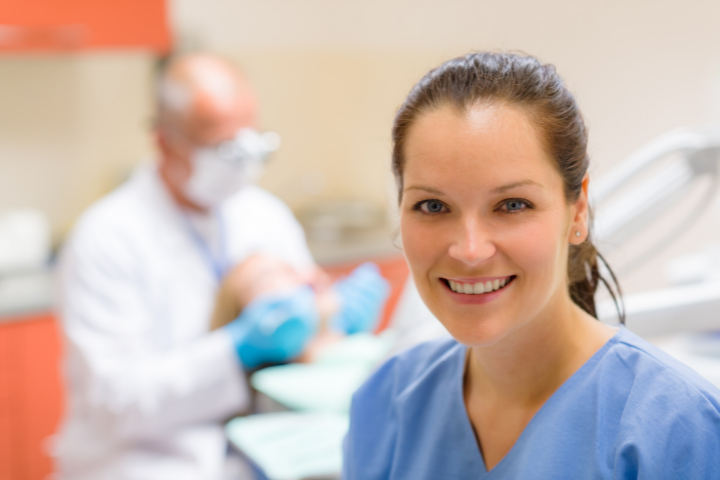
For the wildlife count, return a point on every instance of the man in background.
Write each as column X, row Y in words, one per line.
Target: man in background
column 149, row 385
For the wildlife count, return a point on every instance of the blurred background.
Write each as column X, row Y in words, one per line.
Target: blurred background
column 75, row 119
column 76, row 81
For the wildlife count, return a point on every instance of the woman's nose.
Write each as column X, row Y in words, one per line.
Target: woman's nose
column 472, row 244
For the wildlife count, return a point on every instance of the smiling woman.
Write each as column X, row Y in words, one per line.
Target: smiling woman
column 491, row 163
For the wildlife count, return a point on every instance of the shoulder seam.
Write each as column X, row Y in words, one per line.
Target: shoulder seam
column 689, row 382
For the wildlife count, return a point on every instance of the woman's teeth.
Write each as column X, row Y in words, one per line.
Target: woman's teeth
column 476, row 288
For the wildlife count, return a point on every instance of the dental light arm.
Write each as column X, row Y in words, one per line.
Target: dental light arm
column 621, row 215
column 684, row 308
column 689, row 154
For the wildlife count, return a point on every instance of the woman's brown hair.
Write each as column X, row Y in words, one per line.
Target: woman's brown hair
column 519, row 81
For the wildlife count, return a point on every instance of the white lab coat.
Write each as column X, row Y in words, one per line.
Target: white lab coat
column 148, row 386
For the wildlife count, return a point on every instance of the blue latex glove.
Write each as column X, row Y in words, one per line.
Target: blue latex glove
column 273, row 329
column 362, row 296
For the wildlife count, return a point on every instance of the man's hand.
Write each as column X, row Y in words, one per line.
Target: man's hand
column 274, row 328
column 362, row 295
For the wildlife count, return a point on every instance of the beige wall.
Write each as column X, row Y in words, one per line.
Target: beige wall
column 70, row 128
column 331, row 74
column 638, row 68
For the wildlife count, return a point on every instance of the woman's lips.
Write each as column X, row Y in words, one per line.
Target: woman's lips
column 476, row 290
column 477, row 286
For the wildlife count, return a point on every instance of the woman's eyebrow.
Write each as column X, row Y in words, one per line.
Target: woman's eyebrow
column 521, row 183
column 434, row 191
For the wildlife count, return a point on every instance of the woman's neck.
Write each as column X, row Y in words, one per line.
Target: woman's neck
column 529, row 364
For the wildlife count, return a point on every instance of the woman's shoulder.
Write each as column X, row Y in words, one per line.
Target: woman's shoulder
column 665, row 417
column 654, row 395
column 653, row 371
column 381, row 407
column 409, row 379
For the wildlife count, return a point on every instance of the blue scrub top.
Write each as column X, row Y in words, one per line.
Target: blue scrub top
column 631, row 412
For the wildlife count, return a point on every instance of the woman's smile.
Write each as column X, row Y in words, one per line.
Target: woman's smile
column 475, row 291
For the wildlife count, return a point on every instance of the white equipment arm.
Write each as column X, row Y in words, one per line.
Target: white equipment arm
column 621, row 215
column 684, row 308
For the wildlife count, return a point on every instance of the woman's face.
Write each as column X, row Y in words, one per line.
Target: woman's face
column 483, row 206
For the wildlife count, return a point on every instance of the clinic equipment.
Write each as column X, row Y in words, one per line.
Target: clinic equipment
column 25, row 249
column 274, row 328
column 307, row 441
column 327, row 383
column 641, row 189
column 362, row 296
column 24, row 241
column 660, row 174
column 291, row 445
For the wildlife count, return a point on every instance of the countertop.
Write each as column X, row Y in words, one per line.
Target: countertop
column 373, row 245
column 25, row 293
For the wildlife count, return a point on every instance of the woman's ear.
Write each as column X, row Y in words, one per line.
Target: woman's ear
column 581, row 210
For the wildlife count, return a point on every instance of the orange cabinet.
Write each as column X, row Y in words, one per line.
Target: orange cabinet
column 30, row 395
column 52, row 25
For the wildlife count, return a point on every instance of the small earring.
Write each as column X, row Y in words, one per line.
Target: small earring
column 577, row 233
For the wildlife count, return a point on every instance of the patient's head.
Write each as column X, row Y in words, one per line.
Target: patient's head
column 262, row 274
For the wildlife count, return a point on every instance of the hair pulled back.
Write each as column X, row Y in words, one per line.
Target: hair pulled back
column 518, row 81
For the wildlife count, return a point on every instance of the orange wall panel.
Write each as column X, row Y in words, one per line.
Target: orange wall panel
column 30, row 396
column 42, row 25
column 7, row 375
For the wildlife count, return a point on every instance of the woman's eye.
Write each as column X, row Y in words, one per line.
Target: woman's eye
column 515, row 205
column 431, row 206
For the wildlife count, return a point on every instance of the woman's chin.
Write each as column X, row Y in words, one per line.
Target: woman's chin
column 479, row 333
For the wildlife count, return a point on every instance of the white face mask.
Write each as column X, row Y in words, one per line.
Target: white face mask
column 220, row 171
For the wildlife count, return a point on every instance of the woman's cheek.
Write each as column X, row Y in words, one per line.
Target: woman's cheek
column 536, row 251
column 414, row 239
column 420, row 241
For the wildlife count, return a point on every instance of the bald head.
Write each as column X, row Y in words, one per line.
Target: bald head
column 202, row 101
column 205, row 99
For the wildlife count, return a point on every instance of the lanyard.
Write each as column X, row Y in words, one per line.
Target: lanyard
column 218, row 264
